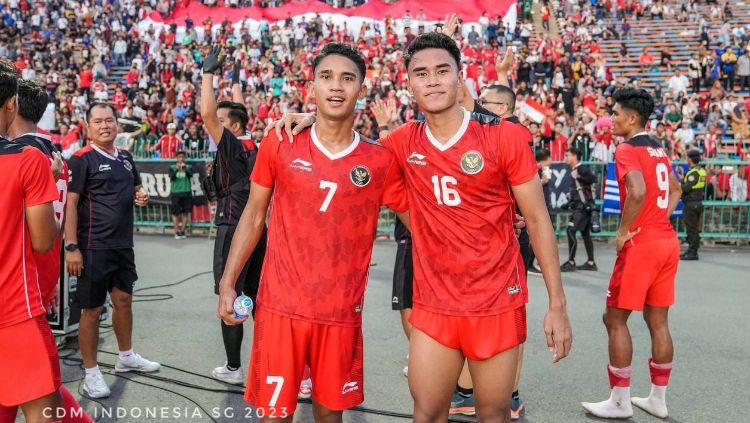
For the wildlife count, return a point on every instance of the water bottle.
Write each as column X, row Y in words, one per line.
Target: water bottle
column 243, row 306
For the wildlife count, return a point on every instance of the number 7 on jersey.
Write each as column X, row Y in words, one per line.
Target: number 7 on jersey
column 331, row 187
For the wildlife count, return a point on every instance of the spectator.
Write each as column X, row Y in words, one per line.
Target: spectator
column 728, row 64
column 738, row 187
column 181, row 195
column 743, row 70
column 169, row 144
column 559, row 142
column 694, row 72
column 646, row 60
column 678, row 83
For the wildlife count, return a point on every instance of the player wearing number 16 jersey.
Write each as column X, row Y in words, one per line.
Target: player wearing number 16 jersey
column 462, row 174
column 325, row 191
column 647, row 257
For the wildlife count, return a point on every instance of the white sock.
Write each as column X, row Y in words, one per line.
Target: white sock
column 656, row 403
column 125, row 354
column 616, row 407
column 93, row 371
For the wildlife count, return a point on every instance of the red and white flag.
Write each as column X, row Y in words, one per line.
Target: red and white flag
column 533, row 110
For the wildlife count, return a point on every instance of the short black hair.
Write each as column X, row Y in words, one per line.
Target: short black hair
column 577, row 152
column 32, row 100
column 106, row 105
column 180, row 153
column 433, row 40
column 637, row 100
column 542, row 155
column 8, row 81
column 507, row 94
column 237, row 112
column 344, row 50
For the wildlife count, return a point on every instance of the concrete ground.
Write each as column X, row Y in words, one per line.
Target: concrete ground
column 708, row 325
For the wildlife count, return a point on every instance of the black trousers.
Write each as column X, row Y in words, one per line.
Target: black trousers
column 691, row 215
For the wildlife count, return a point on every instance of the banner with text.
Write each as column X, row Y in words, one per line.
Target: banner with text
column 155, row 179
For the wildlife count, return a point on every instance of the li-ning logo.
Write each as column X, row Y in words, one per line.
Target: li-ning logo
column 417, row 159
column 350, row 387
column 515, row 289
column 302, row 165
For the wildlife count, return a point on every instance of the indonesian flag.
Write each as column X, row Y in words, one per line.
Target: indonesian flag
column 533, row 110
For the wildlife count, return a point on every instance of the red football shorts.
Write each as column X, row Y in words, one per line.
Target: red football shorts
column 282, row 346
column 644, row 275
column 28, row 362
column 477, row 337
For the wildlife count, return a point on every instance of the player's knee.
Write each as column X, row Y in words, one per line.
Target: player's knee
column 429, row 412
column 91, row 313
column 122, row 303
column 493, row 413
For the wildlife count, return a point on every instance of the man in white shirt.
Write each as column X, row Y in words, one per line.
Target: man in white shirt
column 678, row 83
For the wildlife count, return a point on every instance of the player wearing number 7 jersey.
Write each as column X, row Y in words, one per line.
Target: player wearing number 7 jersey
column 326, row 191
column 647, row 257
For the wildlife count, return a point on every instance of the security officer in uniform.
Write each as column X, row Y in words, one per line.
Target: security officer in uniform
column 693, row 185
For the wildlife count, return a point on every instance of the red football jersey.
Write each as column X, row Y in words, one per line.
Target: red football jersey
column 28, row 182
column 641, row 153
column 467, row 260
column 48, row 264
column 322, row 226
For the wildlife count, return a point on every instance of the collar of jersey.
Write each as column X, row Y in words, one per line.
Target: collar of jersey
column 333, row 156
column 36, row 134
column 104, row 153
column 455, row 138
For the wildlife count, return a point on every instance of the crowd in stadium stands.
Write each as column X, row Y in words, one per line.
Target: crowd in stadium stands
column 76, row 47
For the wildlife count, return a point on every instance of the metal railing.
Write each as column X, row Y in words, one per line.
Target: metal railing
column 722, row 220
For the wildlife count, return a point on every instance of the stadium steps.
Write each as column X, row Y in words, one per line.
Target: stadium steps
column 116, row 76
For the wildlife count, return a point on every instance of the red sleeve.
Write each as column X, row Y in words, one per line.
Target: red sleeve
column 626, row 160
column 394, row 191
column 38, row 184
column 264, row 171
column 515, row 154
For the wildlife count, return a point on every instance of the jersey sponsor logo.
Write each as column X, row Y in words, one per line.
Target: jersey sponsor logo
column 395, row 300
column 104, row 167
column 515, row 289
column 357, row 308
column 360, row 175
column 302, row 165
column 417, row 159
column 609, row 293
column 350, row 387
column 472, row 162
column 129, row 166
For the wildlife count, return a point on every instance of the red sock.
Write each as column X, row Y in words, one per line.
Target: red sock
column 73, row 411
column 659, row 372
column 306, row 373
column 619, row 377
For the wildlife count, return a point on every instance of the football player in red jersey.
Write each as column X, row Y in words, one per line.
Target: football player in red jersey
column 32, row 102
column 471, row 303
column 28, row 350
column 647, row 256
column 327, row 189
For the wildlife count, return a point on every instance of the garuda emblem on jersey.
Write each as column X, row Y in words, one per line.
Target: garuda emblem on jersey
column 360, row 175
column 472, row 162
column 127, row 165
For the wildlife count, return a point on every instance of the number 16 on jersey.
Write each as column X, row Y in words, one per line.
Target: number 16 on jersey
column 445, row 192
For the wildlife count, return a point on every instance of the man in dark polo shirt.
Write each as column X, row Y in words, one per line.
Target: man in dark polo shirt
column 225, row 122
column 104, row 185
